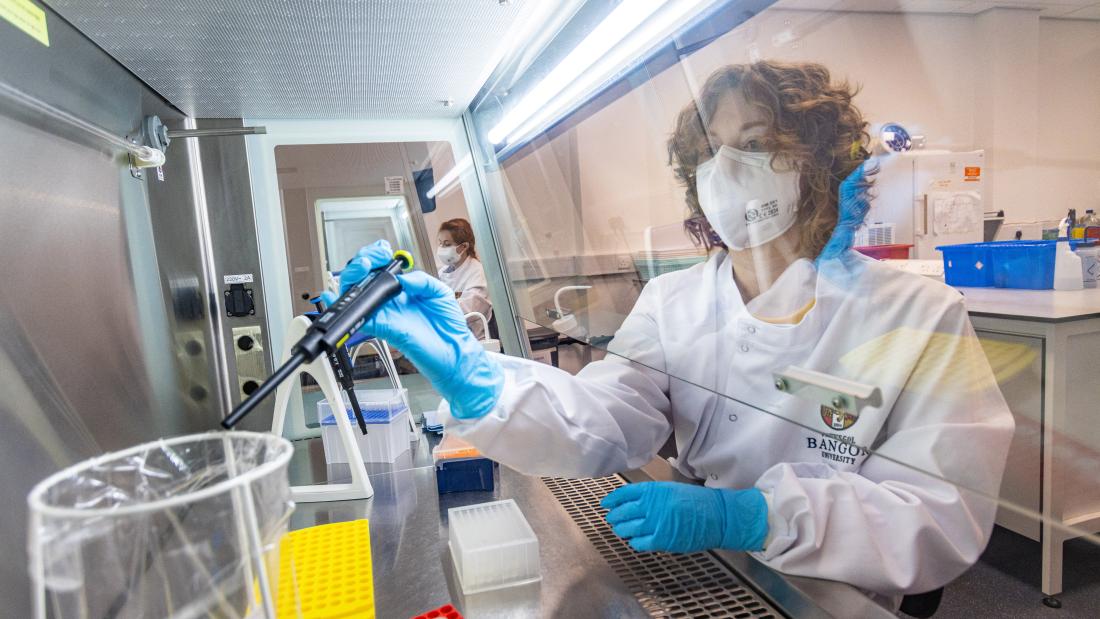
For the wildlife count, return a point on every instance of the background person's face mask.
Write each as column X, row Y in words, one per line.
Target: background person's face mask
column 744, row 199
column 448, row 255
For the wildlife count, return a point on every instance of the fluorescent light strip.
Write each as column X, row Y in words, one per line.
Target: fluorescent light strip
column 450, row 177
column 613, row 29
column 625, row 37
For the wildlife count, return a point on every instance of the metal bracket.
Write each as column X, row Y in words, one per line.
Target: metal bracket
column 135, row 171
column 838, row 393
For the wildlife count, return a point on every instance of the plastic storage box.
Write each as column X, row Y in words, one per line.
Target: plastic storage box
column 464, row 475
column 968, row 264
column 492, row 546
column 460, row 467
column 1004, row 264
column 387, row 427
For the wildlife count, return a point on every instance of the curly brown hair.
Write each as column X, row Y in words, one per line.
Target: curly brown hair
column 812, row 126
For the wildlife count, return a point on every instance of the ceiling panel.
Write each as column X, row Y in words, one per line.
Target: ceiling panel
column 305, row 58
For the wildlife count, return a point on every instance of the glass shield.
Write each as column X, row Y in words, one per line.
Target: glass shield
column 814, row 250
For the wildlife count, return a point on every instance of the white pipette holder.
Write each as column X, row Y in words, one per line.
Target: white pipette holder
column 383, row 351
column 321, row 371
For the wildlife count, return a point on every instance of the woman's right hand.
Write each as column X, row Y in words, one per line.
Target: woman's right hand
column 425, row 322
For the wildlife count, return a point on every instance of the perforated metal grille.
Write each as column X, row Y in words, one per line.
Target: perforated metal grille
column 666, row 585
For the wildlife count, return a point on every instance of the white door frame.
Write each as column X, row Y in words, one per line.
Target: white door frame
column 270, row 224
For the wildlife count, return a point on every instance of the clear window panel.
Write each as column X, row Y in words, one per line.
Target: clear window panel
column 812, row 248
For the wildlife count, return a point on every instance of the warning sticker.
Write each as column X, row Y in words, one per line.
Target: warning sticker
column 972, row 173
column 28, row 17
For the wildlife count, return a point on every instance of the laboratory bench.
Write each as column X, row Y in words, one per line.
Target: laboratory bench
column 1044, row 348
column 586, row 570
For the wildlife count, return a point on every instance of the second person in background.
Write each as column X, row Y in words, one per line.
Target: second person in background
column 460, row 269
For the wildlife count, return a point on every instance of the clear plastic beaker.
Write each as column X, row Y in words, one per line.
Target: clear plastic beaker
column 181, row 527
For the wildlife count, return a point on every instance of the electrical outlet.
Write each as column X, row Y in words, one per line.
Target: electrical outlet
column 624, row 263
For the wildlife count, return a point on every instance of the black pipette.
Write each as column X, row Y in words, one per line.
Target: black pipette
column 344, row 317
column 343, row 370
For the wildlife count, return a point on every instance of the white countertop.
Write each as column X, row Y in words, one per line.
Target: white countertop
column 1042, row 305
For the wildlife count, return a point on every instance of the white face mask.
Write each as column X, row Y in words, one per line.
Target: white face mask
column 447, row 255
column 746, row 201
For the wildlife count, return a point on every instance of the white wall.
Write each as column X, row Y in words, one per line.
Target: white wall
column 916, row 78
column 1069, row 116
column 1025, row 89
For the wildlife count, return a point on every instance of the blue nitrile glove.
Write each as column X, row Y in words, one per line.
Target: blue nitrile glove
column 678, row 517
column 426, row 324
column 853, row 204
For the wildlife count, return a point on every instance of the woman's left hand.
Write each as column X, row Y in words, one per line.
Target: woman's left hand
column 678, row 517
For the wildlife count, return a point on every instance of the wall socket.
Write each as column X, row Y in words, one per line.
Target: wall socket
column 624, row 263
column 248, row 351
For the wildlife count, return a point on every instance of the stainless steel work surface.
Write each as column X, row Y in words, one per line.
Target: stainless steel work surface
column 413, row 572
column 412, row 566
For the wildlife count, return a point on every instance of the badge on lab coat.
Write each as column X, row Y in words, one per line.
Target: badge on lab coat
column 837, row 420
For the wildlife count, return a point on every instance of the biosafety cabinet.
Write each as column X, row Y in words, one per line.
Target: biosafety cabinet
column 179, row 182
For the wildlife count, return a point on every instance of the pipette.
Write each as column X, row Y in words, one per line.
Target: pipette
column 343, row 369
column 344, row 317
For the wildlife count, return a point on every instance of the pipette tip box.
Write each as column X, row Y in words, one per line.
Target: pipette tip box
column 460, row 467
column 464, row 475
column 492, row 546
column 387, row 435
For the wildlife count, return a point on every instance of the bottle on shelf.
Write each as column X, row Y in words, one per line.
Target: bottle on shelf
column 1065, row 227
column 1088, row 221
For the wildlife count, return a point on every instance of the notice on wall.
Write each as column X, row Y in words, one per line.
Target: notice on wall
column 28, row 17
column 955, row 212
column 395, row 185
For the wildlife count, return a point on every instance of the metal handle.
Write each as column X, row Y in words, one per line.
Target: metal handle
column 207, row 133
column 838, row 393
column 143, row 154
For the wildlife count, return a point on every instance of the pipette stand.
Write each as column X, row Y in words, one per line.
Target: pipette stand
column 321, row 371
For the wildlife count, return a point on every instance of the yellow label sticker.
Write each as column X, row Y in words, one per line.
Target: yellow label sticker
column 28, row 17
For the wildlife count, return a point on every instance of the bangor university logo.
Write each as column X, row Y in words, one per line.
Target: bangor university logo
column 837, row 420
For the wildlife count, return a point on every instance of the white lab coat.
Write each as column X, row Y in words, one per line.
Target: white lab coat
column 468, row 280
column 887, row 522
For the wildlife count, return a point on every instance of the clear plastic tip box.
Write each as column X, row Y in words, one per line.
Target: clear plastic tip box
column 387, row 435
column 492, row 546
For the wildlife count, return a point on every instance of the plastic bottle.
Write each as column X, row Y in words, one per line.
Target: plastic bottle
column 1090, row 263
column 1067, row 268
column 1089, row 220
column 1066, row 225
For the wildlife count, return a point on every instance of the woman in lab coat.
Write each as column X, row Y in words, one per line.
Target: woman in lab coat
column 897, row 497
column 460, row 269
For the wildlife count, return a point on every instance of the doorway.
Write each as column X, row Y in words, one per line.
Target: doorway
column 337, row 198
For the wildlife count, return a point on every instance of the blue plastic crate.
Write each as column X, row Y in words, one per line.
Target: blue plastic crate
column 968, row 265
column 1003, row 264
column 1024, row 264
